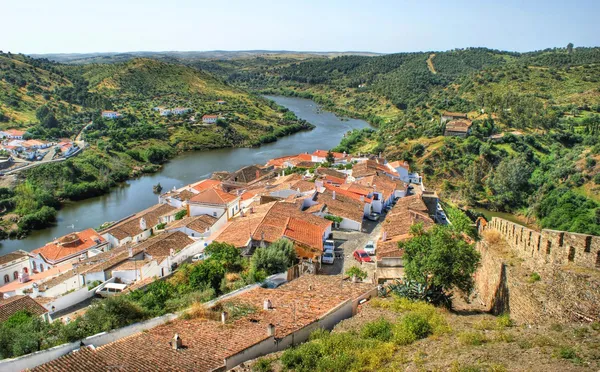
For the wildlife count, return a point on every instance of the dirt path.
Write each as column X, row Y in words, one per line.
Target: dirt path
column 430, row 63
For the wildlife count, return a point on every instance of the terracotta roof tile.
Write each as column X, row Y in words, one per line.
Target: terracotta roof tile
column 197, row 223
column 131, row 226
column 207, row 343
column 69, row 246
column 12, row 256
column 214, row 196
column 11, row 305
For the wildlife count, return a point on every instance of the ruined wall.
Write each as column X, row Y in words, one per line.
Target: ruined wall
column 569, row 285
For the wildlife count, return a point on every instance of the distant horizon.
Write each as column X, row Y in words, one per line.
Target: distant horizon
column 298, row 51
column 388, row 26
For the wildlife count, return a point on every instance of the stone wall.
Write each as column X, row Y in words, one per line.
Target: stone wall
column 568, row 288
column 549, row 246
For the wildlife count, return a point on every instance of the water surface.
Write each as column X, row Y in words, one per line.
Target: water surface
column 135, row 195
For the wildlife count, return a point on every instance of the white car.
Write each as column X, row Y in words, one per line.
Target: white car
column 370, row 247
column 198, row 257
column 328, row 258
column 329, row 245
column 111, row 289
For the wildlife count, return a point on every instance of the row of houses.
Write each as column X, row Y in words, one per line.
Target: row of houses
column 206, row 119
column 34, row 149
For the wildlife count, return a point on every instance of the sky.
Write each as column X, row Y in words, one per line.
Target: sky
column 84, row 26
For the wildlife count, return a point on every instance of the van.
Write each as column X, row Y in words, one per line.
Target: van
column 111, row 289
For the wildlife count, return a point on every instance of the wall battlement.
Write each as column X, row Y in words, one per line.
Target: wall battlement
column 548, row 246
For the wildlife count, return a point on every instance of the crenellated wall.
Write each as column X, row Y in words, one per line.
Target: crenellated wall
column 567, row 287
column 549, row 246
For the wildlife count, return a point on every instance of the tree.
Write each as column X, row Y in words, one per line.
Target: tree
column 274, row 259
column 225, row 254
column 330, row 158
column 510, row 182
column 570, row 48
column 439, row 259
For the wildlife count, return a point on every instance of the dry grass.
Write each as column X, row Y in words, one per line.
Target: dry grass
column 491, row 236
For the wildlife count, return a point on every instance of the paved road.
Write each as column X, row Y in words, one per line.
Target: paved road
column 346, row 242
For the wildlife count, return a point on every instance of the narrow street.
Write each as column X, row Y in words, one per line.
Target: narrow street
column 346, row 242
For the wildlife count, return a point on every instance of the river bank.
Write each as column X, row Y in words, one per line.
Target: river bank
column 136, row 194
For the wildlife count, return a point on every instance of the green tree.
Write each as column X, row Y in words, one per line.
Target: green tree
column 510, row 183
column 439, row 259
column 570, row 48
column 275, row 258
column 225, row 254
column 330, row 158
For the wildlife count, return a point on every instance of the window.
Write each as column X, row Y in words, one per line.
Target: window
column 16, row 275
column 6, row 278
column 34, row 266
column 26, row 270
column 214, row 214
column 41, row 268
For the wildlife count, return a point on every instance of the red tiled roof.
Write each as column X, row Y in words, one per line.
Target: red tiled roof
column 458, row 125
column 350, row 194
column 131, row 226
column 206, row 184
column 209, row 116
column 11, row 305
column 213, row 195
column 69, row 246
column 397, row 164
column 208, row 343
column 323, row 154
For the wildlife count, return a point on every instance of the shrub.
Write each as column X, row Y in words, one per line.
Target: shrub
column 491, row 236
column 355, row 271
column 534, row 277
column 262, row 365
column 566, row 353
column 504, row 321
column 380, row 329
column 472, row 338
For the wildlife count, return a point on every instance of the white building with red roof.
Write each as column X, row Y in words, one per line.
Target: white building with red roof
column 67, row 249
column 12, row 134
column 215, row 202
column 209, row 119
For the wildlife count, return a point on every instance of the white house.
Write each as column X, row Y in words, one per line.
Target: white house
column 198, row 226
column 214, row 202
column 180, row 110
column 138, row 227
column 14, row 266
column 209, row 119
column 12, row 134
column 67, row 249
column 110, row 114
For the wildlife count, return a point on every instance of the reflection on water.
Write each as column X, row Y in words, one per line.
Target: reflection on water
column 136, row 195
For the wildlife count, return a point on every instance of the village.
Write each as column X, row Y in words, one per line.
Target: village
column 339, row 211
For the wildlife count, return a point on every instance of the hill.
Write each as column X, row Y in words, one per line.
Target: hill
column 547, row 172
column 86, row 58
column 58, row 100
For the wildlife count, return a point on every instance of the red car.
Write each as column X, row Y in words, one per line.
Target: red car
column 362, row 256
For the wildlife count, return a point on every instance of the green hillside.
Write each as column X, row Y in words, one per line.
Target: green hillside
column 52, row 101
column 548, row 172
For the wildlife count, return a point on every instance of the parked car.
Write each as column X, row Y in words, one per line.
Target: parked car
column 370, row 247
column 198, row 257
column 362, row 256
column 111, row 289
column 373, row 216
column 328, row 258
column 273, row 283
column 329, row 245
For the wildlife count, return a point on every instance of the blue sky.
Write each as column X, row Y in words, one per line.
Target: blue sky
column 78, row 26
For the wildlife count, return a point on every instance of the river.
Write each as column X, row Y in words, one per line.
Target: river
column 136, row 195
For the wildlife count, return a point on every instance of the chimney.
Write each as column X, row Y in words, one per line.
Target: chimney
column 176, row 343
column 384, row 236
column 224, row 317
column 270, row 330
column 333, row 194
column 267, row 305
column 362, row 198
column 257, row 174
